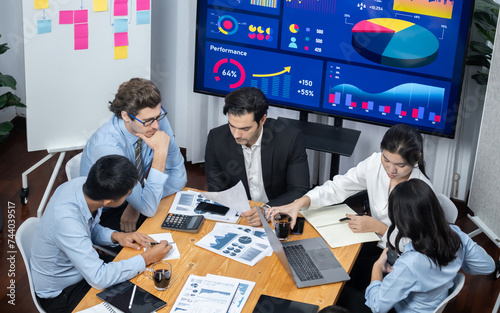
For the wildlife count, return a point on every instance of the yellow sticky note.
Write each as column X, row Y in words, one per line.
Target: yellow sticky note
column 121, row 52
column 41, row 4
column 100, row 5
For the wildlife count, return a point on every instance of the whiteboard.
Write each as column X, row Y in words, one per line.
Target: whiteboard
column 484, row 198
column 68, row 90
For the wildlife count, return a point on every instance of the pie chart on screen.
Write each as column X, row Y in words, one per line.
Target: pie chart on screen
column 395, row 43
column 294, row 28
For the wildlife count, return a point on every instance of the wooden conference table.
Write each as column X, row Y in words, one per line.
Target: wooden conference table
column 269, row 275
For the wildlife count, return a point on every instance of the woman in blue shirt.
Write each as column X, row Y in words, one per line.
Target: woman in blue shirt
column 420, row 278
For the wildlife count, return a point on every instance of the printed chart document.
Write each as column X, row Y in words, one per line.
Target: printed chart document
column 256, row 231
column 172, row 254
column 213, row 294
column 243, row 292
column 337, row 234
column 235, row 199
column 239, row 245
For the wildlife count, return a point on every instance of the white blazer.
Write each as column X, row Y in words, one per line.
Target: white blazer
column 368, row 175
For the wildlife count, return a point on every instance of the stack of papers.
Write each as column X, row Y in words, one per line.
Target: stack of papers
column 213, row 294
column 185, row 202
column 240, row 243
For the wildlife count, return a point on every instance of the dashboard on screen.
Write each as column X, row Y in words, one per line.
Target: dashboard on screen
column 380, row 61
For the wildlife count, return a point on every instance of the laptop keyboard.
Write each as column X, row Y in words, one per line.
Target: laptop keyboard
column 301, row 263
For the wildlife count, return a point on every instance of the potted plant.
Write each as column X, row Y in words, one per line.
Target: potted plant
column 485, row 20
column 7, row 99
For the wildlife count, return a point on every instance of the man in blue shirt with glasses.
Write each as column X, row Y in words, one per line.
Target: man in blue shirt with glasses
column 140, row 131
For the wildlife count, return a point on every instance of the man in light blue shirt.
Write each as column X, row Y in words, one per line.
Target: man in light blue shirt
column 138, row 123
column 64, row 263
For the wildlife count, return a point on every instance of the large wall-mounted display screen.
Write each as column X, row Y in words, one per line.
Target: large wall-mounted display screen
column 380, row 61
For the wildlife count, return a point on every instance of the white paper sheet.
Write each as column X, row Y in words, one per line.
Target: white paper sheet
column 172, row 254
column 185, row 202
column 245, row 288
column 236, row 244
column 198, row 294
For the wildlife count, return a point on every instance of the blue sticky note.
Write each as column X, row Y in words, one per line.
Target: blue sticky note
column 44, row 26
column 121, row 25
column 143, row 17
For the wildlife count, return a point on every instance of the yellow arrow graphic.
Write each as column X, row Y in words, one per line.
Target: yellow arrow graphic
column 287, row 69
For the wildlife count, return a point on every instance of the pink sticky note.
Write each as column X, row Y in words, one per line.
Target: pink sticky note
column 66, row 17
column 121, row 9
column 81, row 16
column 121, row 39
column 143, row 5
column 81, row 36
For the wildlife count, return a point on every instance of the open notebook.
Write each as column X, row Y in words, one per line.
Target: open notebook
column 337, row 234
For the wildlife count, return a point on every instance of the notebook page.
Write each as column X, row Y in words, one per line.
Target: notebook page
column 337, row 234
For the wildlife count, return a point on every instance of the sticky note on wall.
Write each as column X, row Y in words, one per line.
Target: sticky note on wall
column 121, row 52
column 44, row 26
column 143, row 17
column 81, row 36
column 121, row 39
column 100, row 5
column 66, row 17
column 120, row 8
column 121, row 25
column 81, row 16
column 143, row 5
column 41, row 4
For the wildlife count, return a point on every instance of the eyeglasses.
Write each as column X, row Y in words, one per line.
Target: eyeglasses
column 151, row 121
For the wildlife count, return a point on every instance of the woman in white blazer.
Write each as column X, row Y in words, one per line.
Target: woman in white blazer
column 401, row 158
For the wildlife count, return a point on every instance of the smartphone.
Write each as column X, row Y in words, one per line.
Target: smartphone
column 212, row 208
column 298, row 229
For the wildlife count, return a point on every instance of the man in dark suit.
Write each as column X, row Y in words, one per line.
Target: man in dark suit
column 265, row 154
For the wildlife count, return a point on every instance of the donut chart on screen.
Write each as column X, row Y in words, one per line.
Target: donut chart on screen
column 394, row 42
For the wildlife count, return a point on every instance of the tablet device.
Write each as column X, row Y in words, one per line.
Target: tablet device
column 119, row 296
column 269, row 304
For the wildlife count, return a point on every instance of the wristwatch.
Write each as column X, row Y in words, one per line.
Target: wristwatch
column 266, row 209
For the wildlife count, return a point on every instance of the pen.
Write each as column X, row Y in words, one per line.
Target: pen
column 152, row 244
column 347, row 219
column 132, row 297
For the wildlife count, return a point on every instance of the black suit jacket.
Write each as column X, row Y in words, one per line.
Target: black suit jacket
column 285, row 170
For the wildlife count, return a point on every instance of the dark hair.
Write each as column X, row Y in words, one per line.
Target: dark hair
column 416, row 212
column 135, row 95
column 333, row 309
column 246, row 100
column 407, row 142
column 110, row 178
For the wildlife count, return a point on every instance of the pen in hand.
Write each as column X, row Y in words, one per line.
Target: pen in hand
column 132, row 297
column 348, row 219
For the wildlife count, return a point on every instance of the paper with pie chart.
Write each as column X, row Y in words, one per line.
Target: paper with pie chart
column 238, row 245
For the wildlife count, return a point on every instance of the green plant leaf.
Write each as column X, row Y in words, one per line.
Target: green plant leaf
column 9, row 99
column 3, row 48
column 486, row 5
column 5, row 128
column 478, row 60
column 480, row 47
column 480, row 78
column 7, row 81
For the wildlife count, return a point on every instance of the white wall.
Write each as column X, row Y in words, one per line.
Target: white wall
column 12, row 61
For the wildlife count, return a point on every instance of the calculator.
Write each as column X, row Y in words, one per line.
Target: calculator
column 181, row 222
